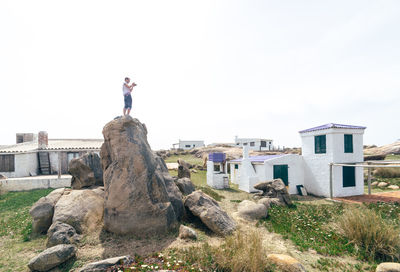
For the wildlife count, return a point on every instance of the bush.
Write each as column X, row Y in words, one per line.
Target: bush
column 387, row 172
column 373, row 237
column 239, row 252
column 2, row 190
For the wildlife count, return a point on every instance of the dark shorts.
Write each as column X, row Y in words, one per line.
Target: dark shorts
column 128, row 101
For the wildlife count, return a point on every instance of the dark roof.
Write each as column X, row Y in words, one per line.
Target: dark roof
column 260, row 158
column 332, row 125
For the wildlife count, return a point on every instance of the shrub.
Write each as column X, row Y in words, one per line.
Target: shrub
column 387, row 172
column 239, row 252
column 373, row 237
column 2, row 190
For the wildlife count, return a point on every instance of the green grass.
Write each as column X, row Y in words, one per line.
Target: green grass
column 198, row 179
column 187, row 158
column 314, row 227
column 375, row 189
column 17, row 245
column 308, row 227
column 391, row 157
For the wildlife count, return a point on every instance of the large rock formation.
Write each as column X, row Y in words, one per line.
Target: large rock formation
column 183, row 169
column 140, row 196
column 86, row 171
column 249, row 210
column 274, row 189
column 185, row 185
column 82, row 209
column 210, row 213
column 104, row 265
column 43, row 210
column 61, row 233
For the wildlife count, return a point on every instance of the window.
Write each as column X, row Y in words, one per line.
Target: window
column 188, row 145
column 236, row 166
column 320, row 144
column 251, row 143
column 349, row 176
column 7, row 163
column 72, row 155
column 263, row 144
column 244, row 143
column 20, row 139
column 348, row 143
column 237, row 144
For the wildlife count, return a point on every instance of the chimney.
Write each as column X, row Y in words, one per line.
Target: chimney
column 245, row 152
column 43, row 140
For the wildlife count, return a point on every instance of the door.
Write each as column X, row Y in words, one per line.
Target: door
column 281, row 171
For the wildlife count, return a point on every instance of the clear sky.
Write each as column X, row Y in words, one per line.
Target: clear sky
column 205, row 70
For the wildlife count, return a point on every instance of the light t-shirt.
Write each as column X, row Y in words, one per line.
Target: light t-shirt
column 125, row 90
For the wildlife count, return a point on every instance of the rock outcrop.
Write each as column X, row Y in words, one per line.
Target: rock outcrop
column 43, row 210
column 286, row 263
column 61, row 233
column 210, row 213
column 274, row 189
column 249, row 210
column 140, row 196
column 185, row 185
column 103, row 265
column 183, row 169
column 388, row 267
column 82, row 209
column 187, row 233
column 52, row 257
column 86, row 171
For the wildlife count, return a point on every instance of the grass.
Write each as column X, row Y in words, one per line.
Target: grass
column 187, row 158
column 17, row 243
column 392, row 157
column 308, row 227
column 369, row 232
column 373, row 237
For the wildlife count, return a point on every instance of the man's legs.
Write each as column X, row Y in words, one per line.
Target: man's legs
column 128, row 111
column 125, row 111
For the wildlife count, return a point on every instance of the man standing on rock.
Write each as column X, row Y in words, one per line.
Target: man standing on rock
column 127, row 90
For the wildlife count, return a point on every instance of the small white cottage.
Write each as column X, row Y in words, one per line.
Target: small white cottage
column 321, row 146
column 188, row 144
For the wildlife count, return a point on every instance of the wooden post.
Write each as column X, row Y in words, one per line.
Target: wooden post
column 331, row 179
column 369, row 179
column 59, row 164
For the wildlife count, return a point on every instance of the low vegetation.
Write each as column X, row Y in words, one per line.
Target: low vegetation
column 17, row 244
column 368, row 232
column 387, row 172
column 374, row 238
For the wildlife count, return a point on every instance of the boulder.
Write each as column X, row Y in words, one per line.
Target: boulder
column 185, row 185
column 286, row 263
column 382, row 184
column 249, row 210
column 61, row 233
column 187, row 233
column 393, row 187
column 269, row 202
column 52, row 257
column 388, row 267
column 103, row 265
column 2, row 176
column 183, row 169
column 210, row 213
column 82, row 209
column 86, row 171
column 375, row 183
column 274, row 189
column 43, row 210
column 140, row 196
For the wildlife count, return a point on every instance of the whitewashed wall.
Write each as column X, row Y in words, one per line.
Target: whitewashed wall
column 33, row 183
column 193, row 144
column 25, row 164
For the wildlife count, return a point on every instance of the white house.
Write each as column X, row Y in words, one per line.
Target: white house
column 188, row 144
column 256, row 144
column 36, row 154
column 321, row 146
column 333, row 143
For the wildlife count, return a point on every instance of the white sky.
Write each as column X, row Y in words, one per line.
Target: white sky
column 206, row 70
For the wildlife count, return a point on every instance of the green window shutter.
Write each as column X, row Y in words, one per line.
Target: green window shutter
column 348, row 143
column 320, row 144
column 236, row 166
column 349, row 176
column 281, row 171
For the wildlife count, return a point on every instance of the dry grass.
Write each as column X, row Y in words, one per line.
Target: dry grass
column 374, row 238
column 242, row 251
column 387, row 172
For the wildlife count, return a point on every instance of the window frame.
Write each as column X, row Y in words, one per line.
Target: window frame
column 345, row 175
column 319, row 144
column 10, row 164
column 348, row 143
